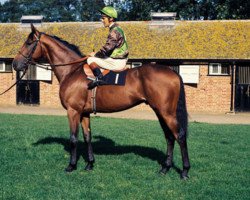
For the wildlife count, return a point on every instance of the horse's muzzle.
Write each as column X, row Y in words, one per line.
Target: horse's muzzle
column 18, row 66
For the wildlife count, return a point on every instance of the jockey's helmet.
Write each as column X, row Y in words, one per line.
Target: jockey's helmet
column 109, row 11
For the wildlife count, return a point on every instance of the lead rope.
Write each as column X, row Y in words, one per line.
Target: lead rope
column 14, row 83
column 93, row 98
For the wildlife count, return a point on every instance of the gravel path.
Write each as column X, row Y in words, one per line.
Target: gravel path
column 230, row 118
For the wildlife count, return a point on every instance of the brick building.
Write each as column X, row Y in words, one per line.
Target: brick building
column 213, row 57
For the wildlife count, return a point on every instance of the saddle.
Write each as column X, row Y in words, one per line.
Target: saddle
column 111, row 77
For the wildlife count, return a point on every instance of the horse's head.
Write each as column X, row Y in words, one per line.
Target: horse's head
column 29, row 51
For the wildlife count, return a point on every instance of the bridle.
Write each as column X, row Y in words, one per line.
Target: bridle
column 28, row 58
column 29, row 61
column 45, row 66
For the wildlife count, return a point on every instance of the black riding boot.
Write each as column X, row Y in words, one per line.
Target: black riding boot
column 98, row 80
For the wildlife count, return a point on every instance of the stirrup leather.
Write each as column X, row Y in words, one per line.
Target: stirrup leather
column 96, row 82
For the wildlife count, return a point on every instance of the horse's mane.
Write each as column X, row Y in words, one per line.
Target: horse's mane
column 70, row 46
column 67, row 44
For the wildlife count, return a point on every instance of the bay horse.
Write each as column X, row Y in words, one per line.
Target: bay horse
column 156, row 85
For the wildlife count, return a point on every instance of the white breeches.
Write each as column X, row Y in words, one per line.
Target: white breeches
column 108, row 63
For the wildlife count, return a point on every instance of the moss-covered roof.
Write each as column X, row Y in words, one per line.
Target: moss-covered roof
column 185, row 40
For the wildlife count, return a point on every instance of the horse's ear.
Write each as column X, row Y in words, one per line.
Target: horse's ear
column 33, row 28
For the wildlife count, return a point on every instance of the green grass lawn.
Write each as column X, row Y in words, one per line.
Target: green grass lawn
column 34, row 150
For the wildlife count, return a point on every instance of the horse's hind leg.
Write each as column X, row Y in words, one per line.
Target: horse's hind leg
column 85, row 122
column 185, row 159
column 172, row 125
column 169, row 160
column 170, row 147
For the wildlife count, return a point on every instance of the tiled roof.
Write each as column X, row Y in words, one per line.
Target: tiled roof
column 185, row 40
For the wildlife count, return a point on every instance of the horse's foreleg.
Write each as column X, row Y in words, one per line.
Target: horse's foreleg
column 85, row 122
column 74, row 119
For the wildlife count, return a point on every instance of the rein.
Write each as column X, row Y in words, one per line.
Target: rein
column 46, row 66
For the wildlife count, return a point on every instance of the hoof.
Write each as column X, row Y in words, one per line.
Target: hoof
column 184, row 176
column 70, row 168
column 89, row 167
column 164, row 170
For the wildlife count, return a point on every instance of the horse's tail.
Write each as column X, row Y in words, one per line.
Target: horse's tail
column 182, row 115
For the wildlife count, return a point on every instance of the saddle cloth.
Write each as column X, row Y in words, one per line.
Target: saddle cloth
column 110, row 77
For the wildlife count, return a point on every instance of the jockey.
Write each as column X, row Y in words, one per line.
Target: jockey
column 114, row 54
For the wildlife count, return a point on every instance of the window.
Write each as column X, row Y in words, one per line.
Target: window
column 30, row 73
column 5, row 67
column 218, row 69
column 136, row 64
column 175, row 68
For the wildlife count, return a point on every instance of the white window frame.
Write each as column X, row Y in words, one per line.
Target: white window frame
column 43, row 74
column 190, row 73
column 210, row 69
column 136, row 64
column 2, row 66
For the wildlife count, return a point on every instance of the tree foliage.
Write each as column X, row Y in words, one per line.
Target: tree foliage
column 52, row 10
column 185, row 9
column 86, row 10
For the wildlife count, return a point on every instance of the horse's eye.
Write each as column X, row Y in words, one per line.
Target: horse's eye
column 28, row 43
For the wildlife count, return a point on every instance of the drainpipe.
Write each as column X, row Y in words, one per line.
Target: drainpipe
column 233, row 70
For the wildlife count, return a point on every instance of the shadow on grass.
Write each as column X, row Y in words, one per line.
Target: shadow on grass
column 106, row 146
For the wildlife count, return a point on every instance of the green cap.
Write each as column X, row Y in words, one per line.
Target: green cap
column 109, row 11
